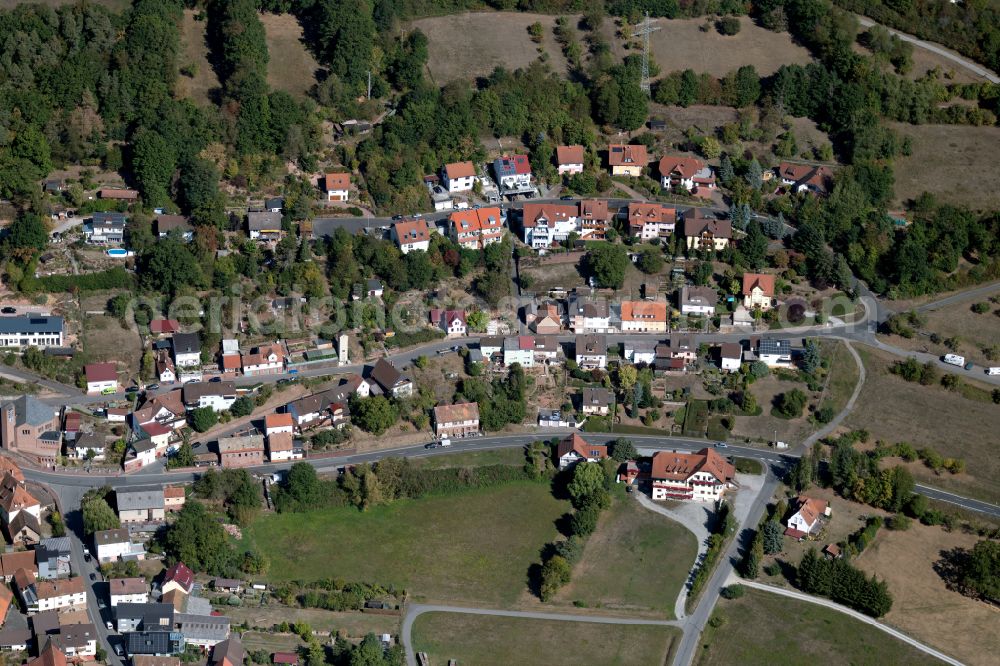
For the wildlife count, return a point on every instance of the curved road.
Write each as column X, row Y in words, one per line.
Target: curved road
column 861, row 617
column 959, row 60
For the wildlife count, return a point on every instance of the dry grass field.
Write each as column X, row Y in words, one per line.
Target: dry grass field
column 923, row 606
column 470, row 45
column 937, row 145
column 974, row 332
column 895, row 410
column 681, row 44
column 483, row 641
column 113, row 5
column 291, row 67
column 355, row 625
column 194, row 54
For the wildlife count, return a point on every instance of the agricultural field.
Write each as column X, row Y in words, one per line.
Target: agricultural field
column 682, row 44
column 923, row 604
column 480, row 639
column 636, row 560
column 291, row 66
column 767, row 629
column 895, row 410
column 470, row 45
column 934, row 145
column 469, row 546
column 200, row 82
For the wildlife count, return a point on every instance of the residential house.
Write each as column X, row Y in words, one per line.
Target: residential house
column 459, row 420
column 337, row 186
column 776, row 353
column 807, row 518
column 644, row 317
column 143, row 616
column 312, row 410
column 274, row 204
column 452, row 322
column 544, row 319
column 704, row 231
column 230, row 585
column 647, row 221
column 12, row 562
column 59, row 593
column 627, row 160
column 220, row 396
column 279, row 423
column 164, row 224
column 100, row 377
column 594, row 219
column 282, row 446
column 519, row 349
column 156, row 643
column 490, row 345
column 229, row 652
column 391, row 380
column 546, row 224
column 513, row 173
column 166, row 409
column 112, row 545
column 48, row 655
column 166, row 373
column 459, row 176
column 72, row 422
column 642, row 351
column 54, row 558
column 174, row 498
column 411, row 235
column 31, row 428
column 554, row 418
column 697, row 300
column 17, row 639
column 265, row 360
column 686, row 174
column 24, row 530
column 592, row 351
column 569, row 159
column 117, row 194
column 128, row 591
column 596, row 401
column 243, row 451
column 807, row 178
column 140, row 504
column 159, row 327
column 589, row 315
column 730, row 356
column 187, row 349
column 116, row 414
column 758, row 291
column 15, row 499
column 88, row 446
column 77, row 641
column 31, row 331
column 203, row 631
column 574, row 449
column 140, row 453
column 178, row 577
column 263, row 225
column 106, row 229
column 703, row 476
column 547, row 349
column 475, row 228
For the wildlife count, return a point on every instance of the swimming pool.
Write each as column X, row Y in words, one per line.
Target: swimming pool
column 119, row 252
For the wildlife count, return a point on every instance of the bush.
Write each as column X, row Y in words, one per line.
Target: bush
column 981, row 308
column 728, row 25
column 899, row 522
column 772, row 569
column 791, row 403
column 734, row 591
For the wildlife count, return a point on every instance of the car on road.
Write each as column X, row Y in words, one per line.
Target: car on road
column 132, row 389
column 566, row 198
column 215, row 379
column 721, row 445
column 431, row 445
column 8, row 310
column 152, row 387
column 111, row 627
column 397, row 218
column 102, row 604
column 93, row 576
column 970, row 365
column 109, row 391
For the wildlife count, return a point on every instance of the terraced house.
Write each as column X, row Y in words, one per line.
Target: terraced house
column 31, row 331
column 644, row 317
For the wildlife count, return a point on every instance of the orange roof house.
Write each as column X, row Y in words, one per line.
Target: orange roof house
column 457, row 170
column 574, row 449
column 806, row 519
column 758, row 290
column 627, row 160
column 644, row 316
column 701, row 476
column 337, row 181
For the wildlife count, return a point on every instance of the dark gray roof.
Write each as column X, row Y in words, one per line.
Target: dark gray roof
column 772, row 346
column 230, row 649
column 111, row 536
column 186, row 343
column 31, row 324
column 146, row 497
column 386, row 375
column 600, row 397
column 214, row 627
column 152, row 615
column 32, row 411
column 274, row 202
column 15, row 636
column 56, row 545
column 259, row 220
column 46, row 622
column 116, row 220
column 192, row 392
column 152, row 642
column 596, row 343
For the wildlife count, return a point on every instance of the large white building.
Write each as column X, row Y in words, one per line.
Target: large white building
column 31, row 331
column 59, row 593
column 546, row 224
column 459, row 176
column 128, row 591
column 703, row 476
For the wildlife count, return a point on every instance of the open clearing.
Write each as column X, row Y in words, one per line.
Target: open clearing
column 935, row 145
column 483, row 640
column 468, row 546
column 681, row 44
column 194, row 54
column 923, row 605
column 354, row 625
column 635, row 560
column 895, row 410
column 763, row 628
column 974, row 332
column 470, row 45
column 290, row 66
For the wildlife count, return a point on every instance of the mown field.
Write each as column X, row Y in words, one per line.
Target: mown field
column 770, row 630
column 201, row 79
column 291, row 66
column 636, row 560
column 484, row 640
column 475, row 546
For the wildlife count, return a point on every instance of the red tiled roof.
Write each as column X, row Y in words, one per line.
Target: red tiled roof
column 639, row 213
column 685, row 167
column 763, row 280
column 569, row 155
column 164, row 326
column 811, row 508
column 278, row 420
column 231, row 361
column 681, row 466
column 551, row 212
column 576, row 443
column 463, row 411
column 627, row 155
column 644, row 311
column 181, row 575
column 412, row 231
column 337, row 181
column 101, row 372
column 459, row 170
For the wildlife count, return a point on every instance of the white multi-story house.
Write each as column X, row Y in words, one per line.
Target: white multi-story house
column 513, row 173
column 59, row 593
column 78, row 641
column 569, row 159
column 703, row 231
column 588, row 315
column 575, row 449
column 476, row 228
column 266, row 360
column 519, row 349
column 643, row 351
column 685, row 174
column 410, row 235
column 31, row 331
column 459, row 176
column 220, row 396
column 187, row 349
column 596, row 401
column 592, row 351
column 101, row 377
column 627, row 160
column 337, row 186
column 647, row 221
column 143, row 504
column 281, row 446
column 807, row 516
column 128, row 591
column 545, row 224
column 758, row 291
column 775, row 353
column 698, row 300
column 459, row 420
column 452, row 322
column 703, row 476
column 644, row 317
column 730, row 356
column 106, row 229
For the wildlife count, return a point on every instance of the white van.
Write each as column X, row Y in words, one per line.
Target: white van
column 954, row 359
column 993, row 371
column 445, row 442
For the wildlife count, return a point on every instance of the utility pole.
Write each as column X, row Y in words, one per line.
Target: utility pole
column 644, row 29
column 369, row 84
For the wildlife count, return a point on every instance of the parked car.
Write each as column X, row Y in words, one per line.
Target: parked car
column 721, row 445
column 93, row 576
column 152, row 387
column 108, row 391
column 8, row 310
column 215, row 379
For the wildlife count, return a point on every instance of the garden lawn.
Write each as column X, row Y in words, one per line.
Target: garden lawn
column 636, row 560
column 474, row 546
column 483, row 640
column 764, row 628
